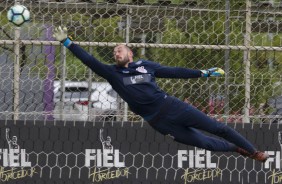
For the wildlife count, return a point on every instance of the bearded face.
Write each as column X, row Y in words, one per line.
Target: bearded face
column 123, row 55
column 122, row 61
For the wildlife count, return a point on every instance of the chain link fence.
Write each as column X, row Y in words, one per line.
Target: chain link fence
column 40, row 79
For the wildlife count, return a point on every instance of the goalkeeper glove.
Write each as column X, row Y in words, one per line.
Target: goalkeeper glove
column 61, row 34
column 213, row 72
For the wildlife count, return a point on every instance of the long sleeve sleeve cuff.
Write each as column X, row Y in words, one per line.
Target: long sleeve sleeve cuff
column 67, row 42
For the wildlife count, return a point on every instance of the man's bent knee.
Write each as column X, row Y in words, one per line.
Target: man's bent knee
column 222, row 130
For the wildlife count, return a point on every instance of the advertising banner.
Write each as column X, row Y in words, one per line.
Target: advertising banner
column 125, row 152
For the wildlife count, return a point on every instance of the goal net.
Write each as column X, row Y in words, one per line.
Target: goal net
column 241, row 37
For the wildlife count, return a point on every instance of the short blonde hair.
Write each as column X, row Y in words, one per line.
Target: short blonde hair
column 125, row 46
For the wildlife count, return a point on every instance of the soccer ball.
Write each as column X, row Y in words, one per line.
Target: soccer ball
column 18, row 14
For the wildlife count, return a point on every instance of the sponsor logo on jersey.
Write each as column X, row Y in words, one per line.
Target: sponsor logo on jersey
column 137, row 79
column 141, row 69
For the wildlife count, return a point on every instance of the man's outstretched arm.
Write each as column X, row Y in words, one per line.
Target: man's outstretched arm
column 184, row 73
column 95, row 65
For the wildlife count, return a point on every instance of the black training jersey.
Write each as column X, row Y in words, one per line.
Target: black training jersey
column 136, row 84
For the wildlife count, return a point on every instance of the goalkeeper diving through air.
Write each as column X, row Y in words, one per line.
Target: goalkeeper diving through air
column 135, row 83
